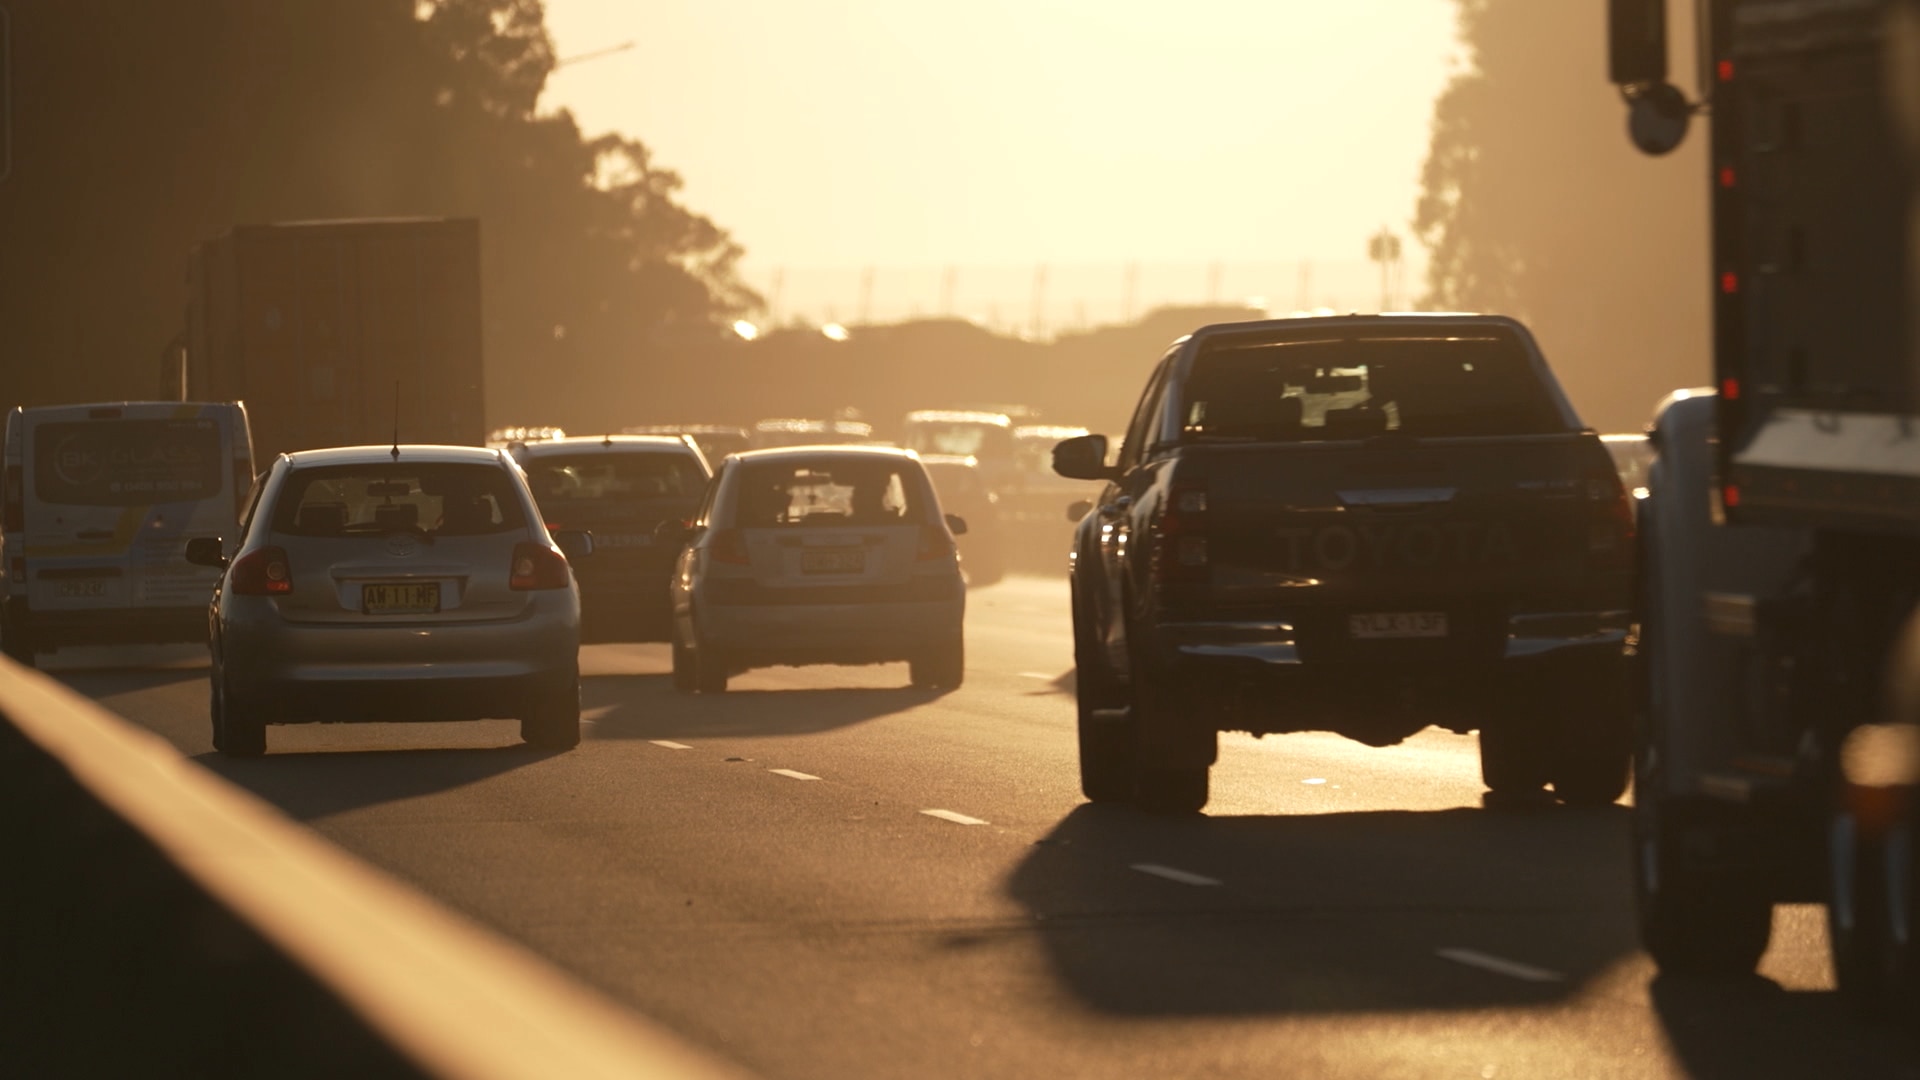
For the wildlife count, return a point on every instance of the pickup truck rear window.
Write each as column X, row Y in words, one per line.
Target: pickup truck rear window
column 1356, row 387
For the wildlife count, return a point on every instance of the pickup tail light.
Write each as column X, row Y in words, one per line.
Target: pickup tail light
column 539, row 566
column 261, row 572
column 1180, row 551
column 935, row 543
column 1610, row 527
column 729, row 546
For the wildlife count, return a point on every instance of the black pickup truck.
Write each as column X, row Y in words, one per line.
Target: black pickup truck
column 1362, row 524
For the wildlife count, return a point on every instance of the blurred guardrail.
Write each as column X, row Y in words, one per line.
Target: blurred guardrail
column 157, row 921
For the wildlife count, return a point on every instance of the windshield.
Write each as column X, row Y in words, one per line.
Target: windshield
column 374, row 500
column 1432, row 387
column 561, row 481
column 961, row 439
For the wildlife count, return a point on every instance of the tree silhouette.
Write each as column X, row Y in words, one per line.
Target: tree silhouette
column 1534, row 204
column 142, row 129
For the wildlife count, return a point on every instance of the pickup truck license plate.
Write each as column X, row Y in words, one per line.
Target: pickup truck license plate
column 1398, row 624
column 416, row 598
column 835, row 560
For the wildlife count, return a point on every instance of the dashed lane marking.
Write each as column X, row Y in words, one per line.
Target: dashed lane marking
column 956, row 818
column 792, row 774
column 670, row 744
column 1184, row 877
column 1041, row 675
column 1510, row 968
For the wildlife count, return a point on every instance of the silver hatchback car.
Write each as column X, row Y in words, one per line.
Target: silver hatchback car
column 819, row 555
column 394, row 584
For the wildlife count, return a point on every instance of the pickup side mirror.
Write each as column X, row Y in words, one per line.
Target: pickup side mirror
column 1078, row 509
column 1083, row 458
column 207, row 551
column 574, row 543
column 956, row 525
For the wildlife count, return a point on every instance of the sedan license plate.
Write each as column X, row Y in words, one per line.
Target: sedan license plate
column 82, row 590
column 836, row 560
column 418, row 598
column 1399, row 624
column 613, row 541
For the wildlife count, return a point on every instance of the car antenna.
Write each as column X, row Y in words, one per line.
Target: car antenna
column 396, row 419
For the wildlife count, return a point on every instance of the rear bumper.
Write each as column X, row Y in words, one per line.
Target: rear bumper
column 829, row 633
column 108, row 626
column 1276, row 643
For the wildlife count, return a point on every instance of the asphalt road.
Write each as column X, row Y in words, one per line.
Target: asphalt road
column 826, row 874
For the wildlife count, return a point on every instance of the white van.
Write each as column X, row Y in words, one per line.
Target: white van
column 96, row 508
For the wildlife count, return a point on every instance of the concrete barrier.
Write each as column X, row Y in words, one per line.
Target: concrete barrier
column 157, row 921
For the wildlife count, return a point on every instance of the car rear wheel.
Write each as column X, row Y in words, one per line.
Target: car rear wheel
column 238, row 730
column 1514, row 753
column 685, row 677
column 554, row 721
column 942, row 666
column 710, row 672
column 1692, row 921
column 1595, row 755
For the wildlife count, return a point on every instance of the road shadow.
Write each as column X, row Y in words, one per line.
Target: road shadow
column 1733, row 1029
column 105, row 682
column 648, row 707
column 1326, row 913
column 307, row 785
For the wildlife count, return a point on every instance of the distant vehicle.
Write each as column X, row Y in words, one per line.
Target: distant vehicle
column 1632, row 457
column 819, row 555
column 963, row 491
column 715, row 440
column 409, row 583
column 987, row 437
column 620, row 488
column 99, row 503
column 502, row 438
column 1035, row 507
column 1365, row 525
column 768, row 434
column 337, row 333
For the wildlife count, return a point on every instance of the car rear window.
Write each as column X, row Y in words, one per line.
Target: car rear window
column 1346, row 388
column 562, row 479
column 829, row 492
column 126, row 462
column 373, row 500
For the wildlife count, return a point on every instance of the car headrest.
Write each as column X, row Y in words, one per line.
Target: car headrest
column 321, row 518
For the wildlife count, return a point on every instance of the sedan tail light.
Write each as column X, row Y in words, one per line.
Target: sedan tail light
column 935, row 543
column 538, row 566
column 262, row 572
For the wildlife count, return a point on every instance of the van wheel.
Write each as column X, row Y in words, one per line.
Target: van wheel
column 15, row 640
column 238, row 730
column 554, row 722
column 941, row 667
column 1692, row 922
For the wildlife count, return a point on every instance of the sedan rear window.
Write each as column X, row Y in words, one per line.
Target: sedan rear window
column 373, row 500
column 829, row 492
column 1351, row 388
column 560, row 479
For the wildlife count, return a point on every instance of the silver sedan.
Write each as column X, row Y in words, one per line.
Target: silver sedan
column 394, row 584
column 819, row 555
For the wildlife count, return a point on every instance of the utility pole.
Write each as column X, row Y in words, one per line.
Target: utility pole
column 1129, row 285
column 866, row 297
column 1039, row 299
column 594, row 55
column 774, row 293
column 1384, row 248
column 1214, row 270
column 947, row 282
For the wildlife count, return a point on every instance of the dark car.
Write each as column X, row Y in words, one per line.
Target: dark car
column 963, row 491
column 619, row 488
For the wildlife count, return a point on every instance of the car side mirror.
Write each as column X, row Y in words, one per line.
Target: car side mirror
column 207, row 551
column 672, row 532
column 956, row 525
column 1083, row 458
column 574, row 543
column 1078, row 509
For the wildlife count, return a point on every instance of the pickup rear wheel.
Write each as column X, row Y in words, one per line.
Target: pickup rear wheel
column 1107, row 751
column 1515, row 749
column 1594, row 756
column 1159, row 787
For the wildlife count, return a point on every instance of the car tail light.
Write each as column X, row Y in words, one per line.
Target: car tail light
column 729, row 546
column 539, row 566
column 935, row 543
column 1610, row 519
column 13, row 518
column 1180, row 552
column 262, row 572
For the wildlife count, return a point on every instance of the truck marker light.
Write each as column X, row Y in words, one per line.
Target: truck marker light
column 1730, row 496
column 1727, row 176
column 1730, row 389
column 1729, row 282
column 1725, row 70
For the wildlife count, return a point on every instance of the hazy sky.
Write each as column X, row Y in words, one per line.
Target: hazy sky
column 848, row 133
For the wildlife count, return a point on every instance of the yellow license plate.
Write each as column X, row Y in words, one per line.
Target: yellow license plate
column 837, row 560
column 420, row 598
